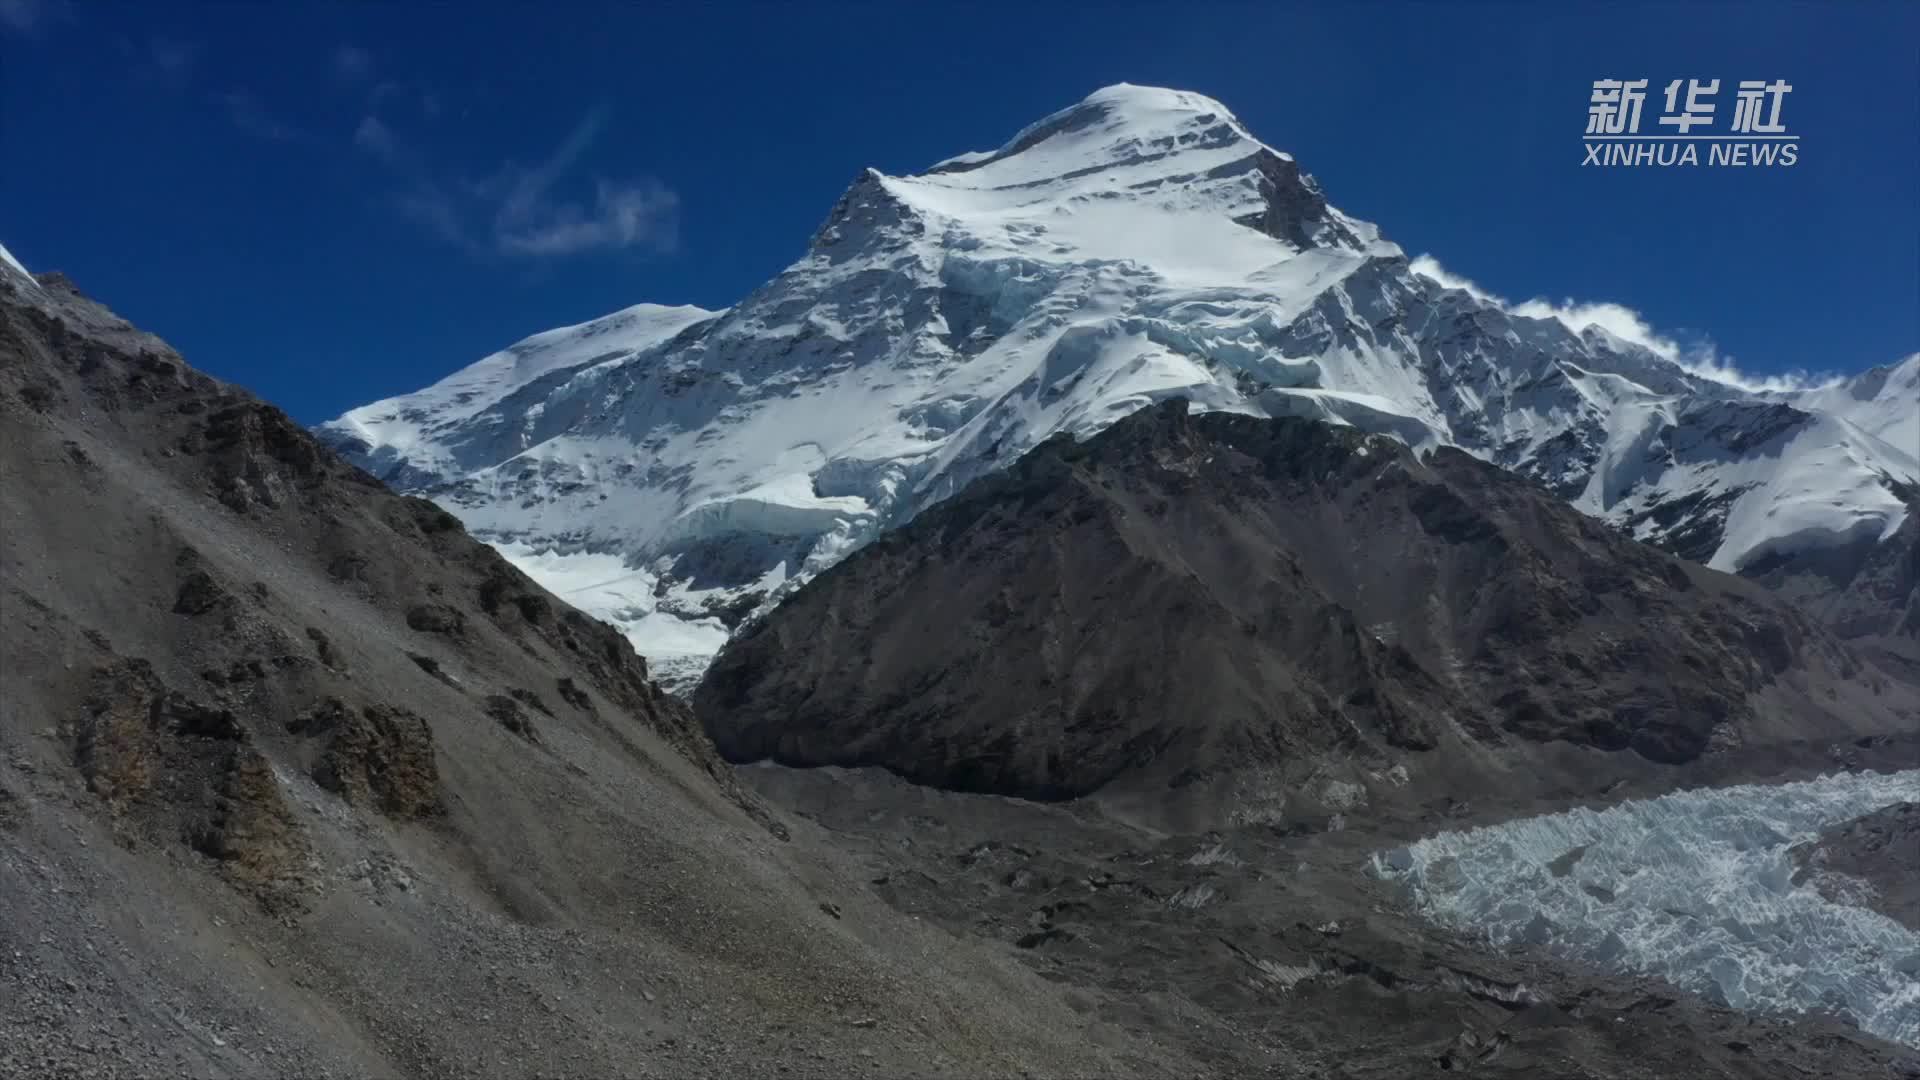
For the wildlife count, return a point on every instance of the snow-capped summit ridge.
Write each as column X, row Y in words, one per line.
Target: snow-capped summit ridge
column 1084, row 174
column 1113, row 124
column 672, row 469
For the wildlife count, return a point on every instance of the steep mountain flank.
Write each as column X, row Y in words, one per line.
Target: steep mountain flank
column 299, row 779
column 1225, row 598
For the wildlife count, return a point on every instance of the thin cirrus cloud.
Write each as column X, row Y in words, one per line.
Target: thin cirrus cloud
column 1701, row 358
column 535, row 212
column 27, row 16
column 356, row 71
column 352, row 64
column 172, row 58
column 179, row 66
column 251, row 115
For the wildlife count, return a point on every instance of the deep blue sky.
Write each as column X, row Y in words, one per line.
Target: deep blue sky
column 335, row 202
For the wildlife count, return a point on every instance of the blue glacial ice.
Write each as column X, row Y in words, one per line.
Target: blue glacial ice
column 1695, row 887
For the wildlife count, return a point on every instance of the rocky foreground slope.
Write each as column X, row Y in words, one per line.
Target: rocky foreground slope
column 298, row 779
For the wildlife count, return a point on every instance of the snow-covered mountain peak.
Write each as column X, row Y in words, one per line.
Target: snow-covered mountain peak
column 674, row 469
column 1113, row 126
column 1068, row 183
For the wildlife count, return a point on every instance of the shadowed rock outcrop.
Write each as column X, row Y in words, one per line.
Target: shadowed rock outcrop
column 1183, row 598
column 1881, row 851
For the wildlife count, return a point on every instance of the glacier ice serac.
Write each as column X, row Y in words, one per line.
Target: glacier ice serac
column 671, row 469
column 1695, row 887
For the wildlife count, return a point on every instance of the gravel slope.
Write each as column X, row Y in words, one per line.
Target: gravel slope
column 298, row 779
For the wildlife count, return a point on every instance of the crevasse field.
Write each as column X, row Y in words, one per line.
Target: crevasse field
column 1695, row 887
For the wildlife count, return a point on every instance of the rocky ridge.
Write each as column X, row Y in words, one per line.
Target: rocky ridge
column 1188, row 603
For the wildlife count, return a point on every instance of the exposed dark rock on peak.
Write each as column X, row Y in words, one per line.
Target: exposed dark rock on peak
column 1297, row 211
column 866, row 207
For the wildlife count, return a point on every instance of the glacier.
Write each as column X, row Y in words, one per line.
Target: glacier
column 673, row 470
column 1696, row 887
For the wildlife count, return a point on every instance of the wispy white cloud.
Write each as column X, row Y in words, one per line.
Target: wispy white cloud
column 422, row 196
column 21, row 15
column 173, row 57
column 376, row 138
column 1698, row 357
column 543, row 210
column 31, row 18
column 1617, row 319
column 158, row 60
column 252, row 117
column 357, row 72
column 352, row 64
column 174, row 64
column 1704, row 359
column 641, row 214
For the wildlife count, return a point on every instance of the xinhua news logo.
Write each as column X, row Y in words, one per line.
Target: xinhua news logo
column 1756, row 136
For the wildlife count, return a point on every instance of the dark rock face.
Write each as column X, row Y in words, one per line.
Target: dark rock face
column 199, row 594
column 1184, row 597
column 382, row 757
column 436, row 619
column 175, row 770
column 1881, row 849
column 1296, row 210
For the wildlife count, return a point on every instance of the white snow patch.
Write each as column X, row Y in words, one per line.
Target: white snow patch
column 1823, row 489
column 606, row 586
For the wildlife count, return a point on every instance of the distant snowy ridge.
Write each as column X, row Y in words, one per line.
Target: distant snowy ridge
column 676, row 473
column 454, row 424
